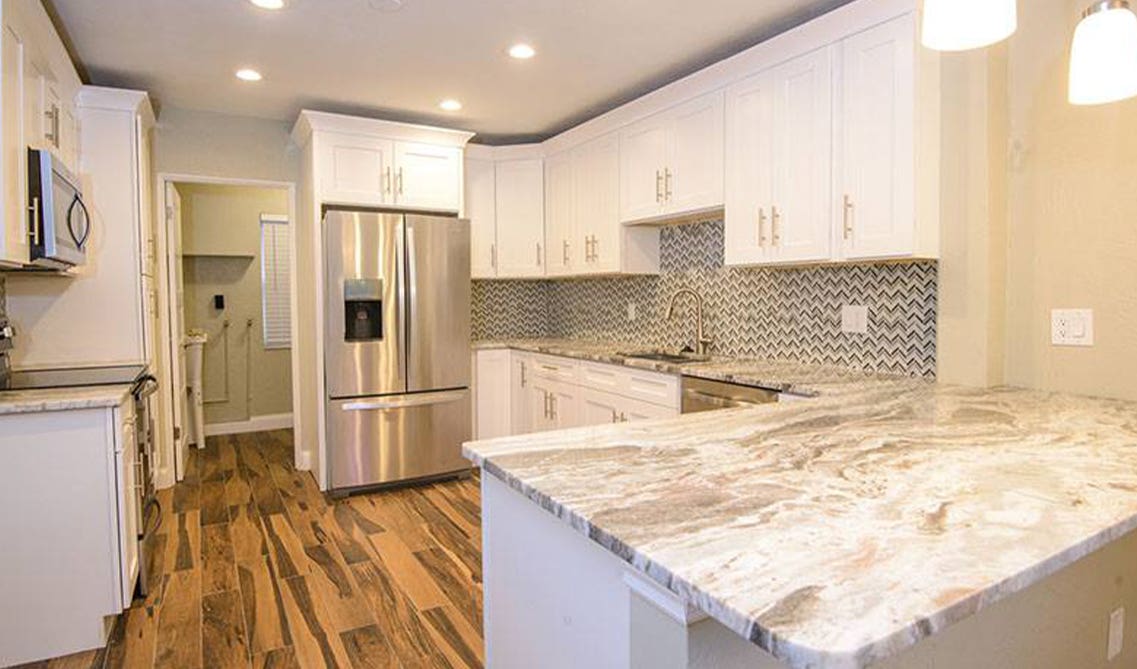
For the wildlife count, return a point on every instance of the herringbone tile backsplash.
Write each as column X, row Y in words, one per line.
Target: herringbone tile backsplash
column 792, row 313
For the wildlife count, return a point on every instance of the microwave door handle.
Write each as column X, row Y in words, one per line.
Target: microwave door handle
column 70, row 224
column 86, row 222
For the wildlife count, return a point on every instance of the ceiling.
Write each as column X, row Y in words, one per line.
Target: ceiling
column 399, row 58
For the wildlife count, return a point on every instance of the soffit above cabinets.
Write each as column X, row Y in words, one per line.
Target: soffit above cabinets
column 345, row 56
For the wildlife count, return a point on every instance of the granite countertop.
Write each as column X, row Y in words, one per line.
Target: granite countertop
column 780, row 375
column 62, row 399
column 837, row 532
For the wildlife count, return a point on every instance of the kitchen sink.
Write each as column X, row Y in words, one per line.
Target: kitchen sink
column 662, row 356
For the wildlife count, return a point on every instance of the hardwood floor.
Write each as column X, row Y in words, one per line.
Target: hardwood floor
column 256, row 568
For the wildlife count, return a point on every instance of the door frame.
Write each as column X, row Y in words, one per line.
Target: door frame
column 168, row 474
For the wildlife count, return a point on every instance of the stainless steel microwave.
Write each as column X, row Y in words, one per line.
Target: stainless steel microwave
column 59, row 223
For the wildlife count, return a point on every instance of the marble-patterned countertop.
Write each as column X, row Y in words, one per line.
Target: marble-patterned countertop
column 781, row 375
column 62, row 399
column 839, row 531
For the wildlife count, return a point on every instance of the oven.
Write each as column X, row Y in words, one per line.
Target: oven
column 59, row 222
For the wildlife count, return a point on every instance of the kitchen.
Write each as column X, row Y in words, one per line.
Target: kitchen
column 797, row 340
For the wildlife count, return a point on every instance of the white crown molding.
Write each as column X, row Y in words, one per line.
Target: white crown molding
column 117, row 99
column 313, row 121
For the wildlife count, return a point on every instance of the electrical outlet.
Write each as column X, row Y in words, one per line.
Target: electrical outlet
column 854, row 319
column 1072, row 327
column 631, row 311
column 1116, row 633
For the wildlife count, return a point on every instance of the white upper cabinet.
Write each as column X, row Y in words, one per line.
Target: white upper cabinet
column 38, row 111
column 373, row 163
column 355, row 169
column 520, row 186
column 643, row 159
column 802, row 156
column 566, row 251
column 693, row 178
column 481, row 209
column 749, row 170
column 428, row 177
column 778, row 169
column 672, row 163
column 596, row 199
column 875, row 134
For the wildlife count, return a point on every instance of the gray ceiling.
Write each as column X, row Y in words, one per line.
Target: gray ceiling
column 357, row 56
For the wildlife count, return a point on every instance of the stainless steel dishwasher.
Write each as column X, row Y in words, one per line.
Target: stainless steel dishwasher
column 706, row 395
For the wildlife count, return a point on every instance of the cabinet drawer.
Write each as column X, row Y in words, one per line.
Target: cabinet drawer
column 555, row 369
column 662, row 389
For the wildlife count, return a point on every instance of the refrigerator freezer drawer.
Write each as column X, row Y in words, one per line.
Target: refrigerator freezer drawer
column 376, row 440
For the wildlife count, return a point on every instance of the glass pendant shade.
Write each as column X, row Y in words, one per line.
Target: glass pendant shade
column 959, row 25
column 1103, row 60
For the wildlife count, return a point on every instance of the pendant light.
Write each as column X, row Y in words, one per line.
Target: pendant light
column 959, row 25
column 1103, row 60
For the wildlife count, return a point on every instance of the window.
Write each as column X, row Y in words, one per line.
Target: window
column 275, row 300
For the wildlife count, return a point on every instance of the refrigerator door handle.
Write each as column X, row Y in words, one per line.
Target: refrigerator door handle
column 406, row 401
column 402, row 319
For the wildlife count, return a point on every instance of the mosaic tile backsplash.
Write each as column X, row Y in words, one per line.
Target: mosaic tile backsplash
column 792, row 313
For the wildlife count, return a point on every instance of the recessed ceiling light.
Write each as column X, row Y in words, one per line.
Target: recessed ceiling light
column 246, row 74
column 522, row 51
column 268, row 4
column 450, row 105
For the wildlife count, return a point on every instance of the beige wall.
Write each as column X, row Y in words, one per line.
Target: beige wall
column 1039, row 213
column 1072, row 217
column 222, row 225
column 220, row 145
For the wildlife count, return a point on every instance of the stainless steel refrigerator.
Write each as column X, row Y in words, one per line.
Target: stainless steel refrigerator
column 396, row 346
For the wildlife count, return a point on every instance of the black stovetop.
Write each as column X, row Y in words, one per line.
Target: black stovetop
column 72, row 377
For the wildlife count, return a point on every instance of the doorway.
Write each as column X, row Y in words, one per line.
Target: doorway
column 231, row 287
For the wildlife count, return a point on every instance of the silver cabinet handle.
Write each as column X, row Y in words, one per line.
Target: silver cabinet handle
column 33, row 230
column 587, row 249
column 546, row 404
column 667, row 183
column 615, row 416
column 523, row 380
column 775, row 218
column 406, row 401
column 493, row 256
column 565, row 253
column 387, row 179
column 552, row 406
column 52, row 135
column 658, row 186
column 539, row 258
column 848, row 212
column 623, row 418
column 399, row 181
column 761, row 227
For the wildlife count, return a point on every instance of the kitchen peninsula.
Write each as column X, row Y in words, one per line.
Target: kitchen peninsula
column 908, row 524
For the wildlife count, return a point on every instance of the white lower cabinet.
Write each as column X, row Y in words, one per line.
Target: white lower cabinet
column 555, row 393
column 71, row 550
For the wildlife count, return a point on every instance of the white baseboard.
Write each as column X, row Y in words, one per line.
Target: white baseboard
column 277, row 421
column 304, row 460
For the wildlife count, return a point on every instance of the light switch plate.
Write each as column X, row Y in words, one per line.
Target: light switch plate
column 854, row 319
column 1116, row 633
column 1072, row 327
column 631, row 311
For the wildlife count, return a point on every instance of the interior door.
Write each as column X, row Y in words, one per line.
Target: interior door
column 179, row 396
column 696, row 165
column 749, row 170
column 428, row 177
column 876, row 131
column 438, row 296
column 365, row 304
column 643, row 156
column 803, row 114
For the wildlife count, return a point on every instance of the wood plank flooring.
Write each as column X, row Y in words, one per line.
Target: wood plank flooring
column 256, row 568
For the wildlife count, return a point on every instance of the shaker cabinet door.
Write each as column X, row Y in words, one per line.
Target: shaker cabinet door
column 428, row 177
column 355, row 170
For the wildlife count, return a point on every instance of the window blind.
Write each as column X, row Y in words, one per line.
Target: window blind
column 275, row 297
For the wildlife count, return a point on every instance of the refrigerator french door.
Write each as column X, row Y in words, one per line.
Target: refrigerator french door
column 396, row 346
